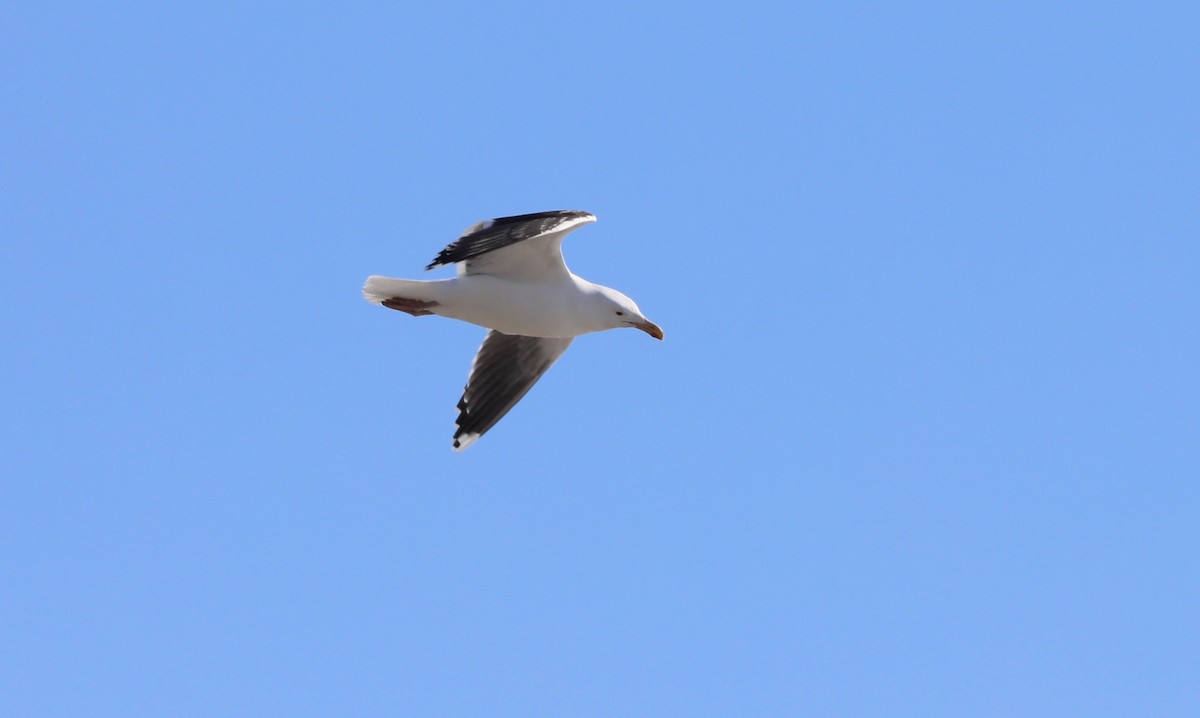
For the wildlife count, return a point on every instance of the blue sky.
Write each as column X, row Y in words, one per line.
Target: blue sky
column 921, row 440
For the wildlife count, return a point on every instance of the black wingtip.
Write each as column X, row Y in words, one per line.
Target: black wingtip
column 492, row 234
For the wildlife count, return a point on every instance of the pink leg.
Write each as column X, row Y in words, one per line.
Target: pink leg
column 415, row 307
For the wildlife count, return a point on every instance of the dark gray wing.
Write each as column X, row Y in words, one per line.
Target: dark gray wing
column 505, row 368
column 493, row 234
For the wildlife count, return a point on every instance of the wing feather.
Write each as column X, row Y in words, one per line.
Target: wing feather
column 505, row 369
column 493, row 234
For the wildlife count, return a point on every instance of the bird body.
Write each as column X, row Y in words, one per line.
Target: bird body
column 513, row 281
column 555, row 307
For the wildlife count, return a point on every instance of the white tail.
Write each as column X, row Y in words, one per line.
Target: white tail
column 379, row 288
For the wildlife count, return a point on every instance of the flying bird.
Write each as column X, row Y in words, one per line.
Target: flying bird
column 511, row 280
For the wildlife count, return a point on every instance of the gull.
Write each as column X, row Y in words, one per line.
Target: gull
column 511, row 280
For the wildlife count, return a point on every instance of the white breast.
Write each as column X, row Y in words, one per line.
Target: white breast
column 558, row 308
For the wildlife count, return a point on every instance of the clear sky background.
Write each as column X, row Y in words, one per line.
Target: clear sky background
column 922, row 438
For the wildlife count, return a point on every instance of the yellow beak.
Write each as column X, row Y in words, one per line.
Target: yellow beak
column 650, row 328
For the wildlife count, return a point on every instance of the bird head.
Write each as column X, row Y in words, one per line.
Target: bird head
column 621, row 311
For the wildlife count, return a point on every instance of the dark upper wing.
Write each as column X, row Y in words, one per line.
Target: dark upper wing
column 493, row 234
column 505, row 368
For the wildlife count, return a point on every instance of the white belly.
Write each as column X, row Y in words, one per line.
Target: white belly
column 554, row 309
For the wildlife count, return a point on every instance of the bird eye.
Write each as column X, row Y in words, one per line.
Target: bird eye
column 620, row 314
